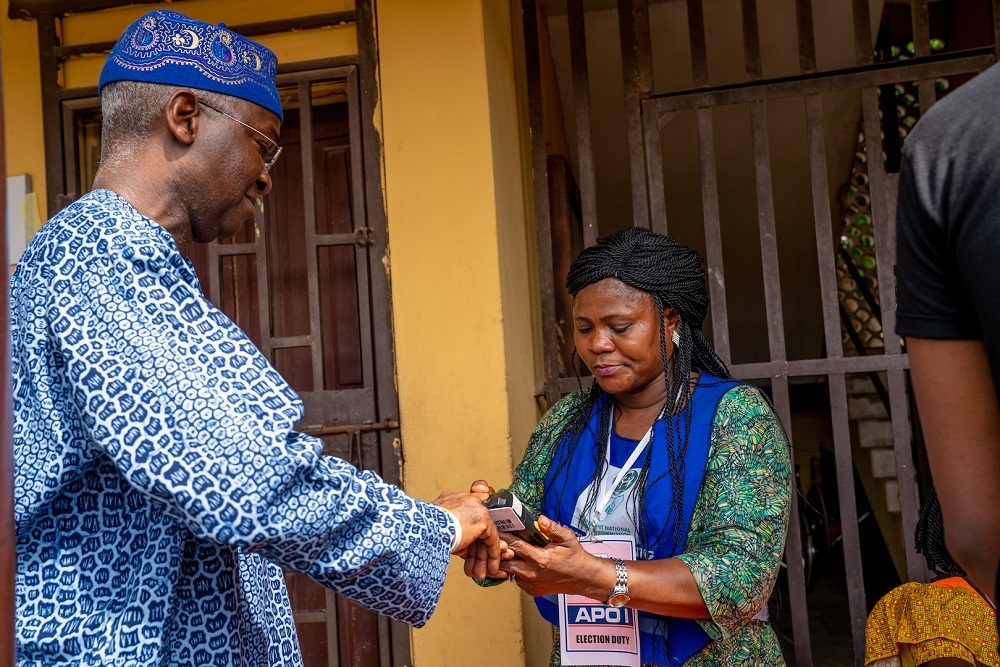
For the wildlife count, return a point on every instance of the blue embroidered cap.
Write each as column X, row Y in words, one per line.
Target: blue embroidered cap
column 174, row 49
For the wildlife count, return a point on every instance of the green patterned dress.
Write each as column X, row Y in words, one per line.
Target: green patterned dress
column 738, row 528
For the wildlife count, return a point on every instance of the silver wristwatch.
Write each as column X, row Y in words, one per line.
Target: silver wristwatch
column 619, row 596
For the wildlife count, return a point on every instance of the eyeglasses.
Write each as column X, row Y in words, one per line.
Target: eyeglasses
column 269, row 152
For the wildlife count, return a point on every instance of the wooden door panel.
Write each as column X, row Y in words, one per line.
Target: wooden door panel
column 361, row 449
column 361, row 625
column 295, row 365
column 335, row 408
column 287, row 274
column 348, row 637
column 334, row 213
column 240, row 297
column 339, row 318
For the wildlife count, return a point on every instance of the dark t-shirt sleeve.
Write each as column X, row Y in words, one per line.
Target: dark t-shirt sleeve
column 932, row 300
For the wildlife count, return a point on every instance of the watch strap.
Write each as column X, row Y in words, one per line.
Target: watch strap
column 621, row 578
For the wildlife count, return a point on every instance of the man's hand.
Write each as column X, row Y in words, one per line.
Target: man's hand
column 477, row 527
column 477, row 556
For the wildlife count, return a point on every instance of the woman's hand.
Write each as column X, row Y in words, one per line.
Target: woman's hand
column 663, row 586
column 561, row 567
column 482, row 489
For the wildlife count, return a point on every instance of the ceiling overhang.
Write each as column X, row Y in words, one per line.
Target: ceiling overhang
column 32, row 9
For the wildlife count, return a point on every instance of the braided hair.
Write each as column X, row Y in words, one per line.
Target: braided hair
column 671, row 273
column 929, row 538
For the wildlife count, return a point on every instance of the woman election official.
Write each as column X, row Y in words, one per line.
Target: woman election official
column 665, row 487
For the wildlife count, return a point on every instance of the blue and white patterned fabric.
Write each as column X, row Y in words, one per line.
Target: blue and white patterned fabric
column 159, row 484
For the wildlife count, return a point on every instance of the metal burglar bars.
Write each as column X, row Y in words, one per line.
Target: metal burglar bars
column 543, row 221
column 647, row 115
column 808, row 86
column 581, row 107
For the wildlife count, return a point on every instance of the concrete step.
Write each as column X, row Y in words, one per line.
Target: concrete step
column 860, row 384
column 883, row 463
column 866, row 406
column 891, row 495
column 874, row 433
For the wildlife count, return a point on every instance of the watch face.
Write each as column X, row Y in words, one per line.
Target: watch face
column 619, row 600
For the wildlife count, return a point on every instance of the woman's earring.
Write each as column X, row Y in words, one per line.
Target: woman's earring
column 675, row 338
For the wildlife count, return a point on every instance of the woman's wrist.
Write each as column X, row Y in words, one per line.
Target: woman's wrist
column 601, row 581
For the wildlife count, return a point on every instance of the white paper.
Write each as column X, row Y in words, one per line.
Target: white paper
column 593, row 633
column 18, row 187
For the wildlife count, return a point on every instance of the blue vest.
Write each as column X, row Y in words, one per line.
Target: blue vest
column 663, row 640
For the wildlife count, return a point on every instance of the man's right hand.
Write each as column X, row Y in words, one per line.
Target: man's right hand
column 477, row 527
column 477, row 556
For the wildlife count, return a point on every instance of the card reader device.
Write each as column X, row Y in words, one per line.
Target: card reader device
column 510, row 516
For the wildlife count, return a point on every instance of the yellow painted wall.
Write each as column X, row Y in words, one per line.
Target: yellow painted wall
column 517, row 266
column 22, row 101
column 461, row 310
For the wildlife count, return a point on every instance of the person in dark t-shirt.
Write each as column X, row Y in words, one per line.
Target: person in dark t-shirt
column 948, row 282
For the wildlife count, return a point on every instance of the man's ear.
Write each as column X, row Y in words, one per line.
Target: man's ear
column 183, row 114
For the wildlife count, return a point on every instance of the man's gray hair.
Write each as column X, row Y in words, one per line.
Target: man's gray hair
column 130, row 109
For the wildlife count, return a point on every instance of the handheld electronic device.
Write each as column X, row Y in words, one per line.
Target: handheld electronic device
column 510, row 516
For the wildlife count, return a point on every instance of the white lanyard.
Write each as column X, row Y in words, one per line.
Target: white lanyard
column 603, row 501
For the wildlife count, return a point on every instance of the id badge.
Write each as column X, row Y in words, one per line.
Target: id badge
column 590, row 631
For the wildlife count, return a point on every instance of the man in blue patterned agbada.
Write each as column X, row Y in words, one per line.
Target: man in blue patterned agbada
column 160, row 487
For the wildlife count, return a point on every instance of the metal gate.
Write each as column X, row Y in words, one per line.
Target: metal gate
column 648, row 117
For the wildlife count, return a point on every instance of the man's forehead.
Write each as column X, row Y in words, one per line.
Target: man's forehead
column 267, row 122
